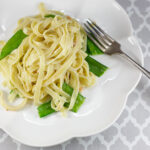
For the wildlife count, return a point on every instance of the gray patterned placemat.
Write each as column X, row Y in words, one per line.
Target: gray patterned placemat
column 132, row 130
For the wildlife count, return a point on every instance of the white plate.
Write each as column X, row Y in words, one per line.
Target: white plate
column 105, row 101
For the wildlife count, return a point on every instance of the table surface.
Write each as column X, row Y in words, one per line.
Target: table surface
column 132, row 130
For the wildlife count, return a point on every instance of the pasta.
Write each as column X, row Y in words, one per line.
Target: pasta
column 51, row 54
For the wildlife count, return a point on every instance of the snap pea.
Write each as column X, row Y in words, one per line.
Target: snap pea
column 96, row 67
column 46, row 109
column 13, row 43
column 49, row 15
column 79, row 100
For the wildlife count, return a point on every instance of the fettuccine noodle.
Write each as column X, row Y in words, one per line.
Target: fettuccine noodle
column 51, row 54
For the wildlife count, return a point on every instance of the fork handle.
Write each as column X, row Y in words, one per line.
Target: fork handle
column 138, row 66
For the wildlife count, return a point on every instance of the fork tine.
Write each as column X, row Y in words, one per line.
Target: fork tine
column 100, row 30
column 99, row 38
column 105, row 39
column 95, row 42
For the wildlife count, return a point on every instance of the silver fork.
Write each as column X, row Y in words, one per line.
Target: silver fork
column 107, row 44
